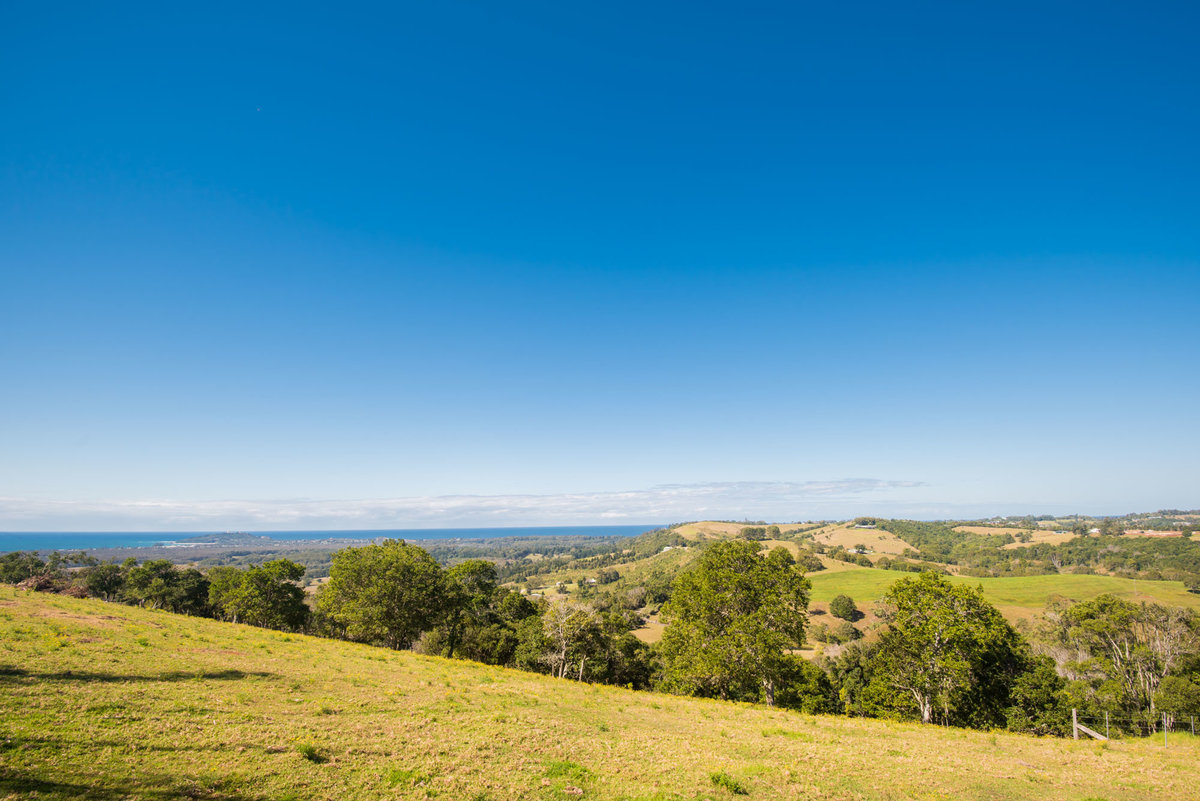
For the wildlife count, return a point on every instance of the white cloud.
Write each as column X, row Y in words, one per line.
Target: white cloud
column 660, row 504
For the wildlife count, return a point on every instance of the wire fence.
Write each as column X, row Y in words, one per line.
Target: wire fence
column 1119, row 725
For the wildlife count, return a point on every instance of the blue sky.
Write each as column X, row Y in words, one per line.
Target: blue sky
column 486, row 264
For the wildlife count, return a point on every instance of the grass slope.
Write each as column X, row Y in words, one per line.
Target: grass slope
column 102, row 701
column 1016, row 597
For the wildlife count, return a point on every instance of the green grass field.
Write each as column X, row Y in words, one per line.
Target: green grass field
column 101, row 701
column 1014, row 596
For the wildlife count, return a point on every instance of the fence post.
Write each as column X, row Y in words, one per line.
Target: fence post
column 1193, row 725
column 1164, row 729
column 1106, row 734
column 1074, row 723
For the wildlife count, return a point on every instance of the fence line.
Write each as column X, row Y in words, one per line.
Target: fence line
column 1140, row 726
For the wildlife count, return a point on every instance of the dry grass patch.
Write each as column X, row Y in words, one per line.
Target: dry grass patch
column 878, row 541
column 652, row 631
column 709, row 530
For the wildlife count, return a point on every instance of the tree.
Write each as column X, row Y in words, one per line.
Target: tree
column 806, row 687
column 1038, row 703
column 470, row 586
column 17, row 566
column 850, row 672
column 266, row 596
column 731, row 619
column 946, row 650
column 158, row 584
column 843, row 606
column 224, row 581
column 1177, row 697
column 571, row 632
column 623, row 659
column 1132, row 647
column 480, row 621
column 104, row 581
column 389, row 593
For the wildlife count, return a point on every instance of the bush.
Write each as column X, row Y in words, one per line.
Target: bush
column 310, row 752
column 846, row 632
column 843, row 606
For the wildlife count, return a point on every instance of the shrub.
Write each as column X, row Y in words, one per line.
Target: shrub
column 310, row 752
column 720, row 778
column 843, row 606
column 846, row 632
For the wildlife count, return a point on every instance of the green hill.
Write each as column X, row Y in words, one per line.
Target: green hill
column 102, row 701
column 1014, row 596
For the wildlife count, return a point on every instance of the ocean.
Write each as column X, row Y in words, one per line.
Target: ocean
column 91, row 540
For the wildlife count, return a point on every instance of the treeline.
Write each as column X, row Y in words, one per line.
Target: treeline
column 391, row 594
column 266, row 595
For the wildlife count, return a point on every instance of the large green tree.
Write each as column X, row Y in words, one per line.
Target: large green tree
column 946, row 652
column 266, row 595
column 159, row 584
column 479, row 619
column 470, row 588
column 731, row 619
column 388, row 592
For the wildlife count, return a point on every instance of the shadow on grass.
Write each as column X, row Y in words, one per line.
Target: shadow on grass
column 19, row 742
column 9, row 673
column 14, row 784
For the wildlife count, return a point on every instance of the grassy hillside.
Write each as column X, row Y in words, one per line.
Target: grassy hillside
column 877, row 541
column 102, row 701
column 1016, row 597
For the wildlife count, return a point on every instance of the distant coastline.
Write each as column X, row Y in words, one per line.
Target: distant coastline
column 107, row 540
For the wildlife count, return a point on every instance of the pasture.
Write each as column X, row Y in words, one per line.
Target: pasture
column 1016, row 597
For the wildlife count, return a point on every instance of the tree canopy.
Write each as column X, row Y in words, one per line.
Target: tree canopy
column 731, row 619
column 266, row 595
column 946, row 651
column 843, row 606
column 389, row 593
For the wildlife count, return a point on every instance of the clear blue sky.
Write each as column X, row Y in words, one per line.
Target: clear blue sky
column 626, row 253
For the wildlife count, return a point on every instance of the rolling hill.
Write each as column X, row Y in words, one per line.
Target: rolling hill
column 103, row 701
column 1017, row 597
